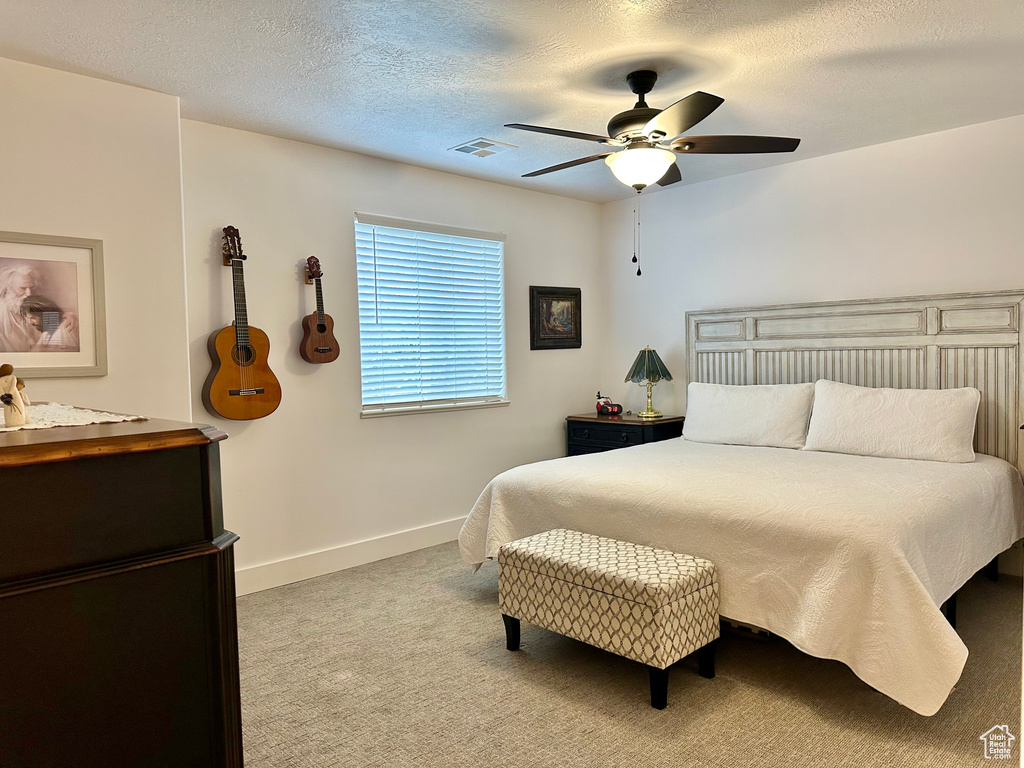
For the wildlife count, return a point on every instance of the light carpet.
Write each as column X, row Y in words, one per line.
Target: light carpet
column 402, row 662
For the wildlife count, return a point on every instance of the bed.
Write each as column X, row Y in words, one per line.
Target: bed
column 847, row 557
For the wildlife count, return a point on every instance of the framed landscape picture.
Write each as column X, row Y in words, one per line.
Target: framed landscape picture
column 51, row 305
column 555, row 318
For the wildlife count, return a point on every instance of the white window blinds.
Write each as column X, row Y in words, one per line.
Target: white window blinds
column 431, row 316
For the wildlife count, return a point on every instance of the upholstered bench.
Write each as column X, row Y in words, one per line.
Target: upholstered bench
column 649, row 605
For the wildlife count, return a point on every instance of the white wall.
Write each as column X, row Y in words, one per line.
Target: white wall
column 313, row 476
column 930, row 214
column 86, row 158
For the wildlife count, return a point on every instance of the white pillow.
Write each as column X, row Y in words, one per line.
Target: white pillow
column 771, row 415
column 929, row 424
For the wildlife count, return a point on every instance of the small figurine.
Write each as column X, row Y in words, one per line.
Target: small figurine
column 11, row 397
column 24, row 397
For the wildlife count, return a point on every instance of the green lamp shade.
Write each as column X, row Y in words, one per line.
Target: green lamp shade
column 648, row 367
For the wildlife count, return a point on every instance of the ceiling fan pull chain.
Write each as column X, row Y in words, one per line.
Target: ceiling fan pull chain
column 639, row 243
column 634, row 232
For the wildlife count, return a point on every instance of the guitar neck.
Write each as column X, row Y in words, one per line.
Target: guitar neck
column 241, row 317
column 319, row 302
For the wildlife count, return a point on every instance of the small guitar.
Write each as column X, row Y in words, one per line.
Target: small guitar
column 241, row 385
column 318, row 342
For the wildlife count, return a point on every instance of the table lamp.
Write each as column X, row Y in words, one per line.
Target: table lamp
column 648, row 369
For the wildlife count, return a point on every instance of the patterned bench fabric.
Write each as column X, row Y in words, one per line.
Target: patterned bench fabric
column 649, row 605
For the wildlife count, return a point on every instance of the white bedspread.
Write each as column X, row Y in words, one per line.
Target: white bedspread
column 847, row 557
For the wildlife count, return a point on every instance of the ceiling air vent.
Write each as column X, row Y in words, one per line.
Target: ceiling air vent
column 482, row 147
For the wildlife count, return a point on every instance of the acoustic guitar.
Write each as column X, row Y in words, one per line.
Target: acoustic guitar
column 318, row 342
column 241, row 385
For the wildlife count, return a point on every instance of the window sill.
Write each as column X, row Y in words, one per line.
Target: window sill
column 401, row 410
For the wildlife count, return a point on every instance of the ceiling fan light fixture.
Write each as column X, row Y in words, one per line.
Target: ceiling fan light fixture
column 638, row 167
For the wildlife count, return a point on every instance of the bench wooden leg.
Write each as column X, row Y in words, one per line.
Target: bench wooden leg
column 992, row 569
column 949, row 608
column 706, row 660
column 511, row 632
column 659, row 687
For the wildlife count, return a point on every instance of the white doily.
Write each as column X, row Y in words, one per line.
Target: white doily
column 46, row 415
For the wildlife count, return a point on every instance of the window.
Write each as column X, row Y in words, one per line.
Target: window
column 431, row 316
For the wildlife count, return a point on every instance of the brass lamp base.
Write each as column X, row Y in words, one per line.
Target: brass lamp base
column 650, row 412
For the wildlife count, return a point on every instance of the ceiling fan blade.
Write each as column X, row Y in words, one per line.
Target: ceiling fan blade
column 560, row 132
column 727, row 145
column 570, row 164
column 681, row 116
column 672, row 175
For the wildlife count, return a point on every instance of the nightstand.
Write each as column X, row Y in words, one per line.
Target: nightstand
column 590, row 433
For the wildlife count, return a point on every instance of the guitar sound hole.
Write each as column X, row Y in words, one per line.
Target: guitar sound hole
column 321, row 328
column 242, row 355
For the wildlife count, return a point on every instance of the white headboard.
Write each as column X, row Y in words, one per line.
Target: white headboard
column 927, row 342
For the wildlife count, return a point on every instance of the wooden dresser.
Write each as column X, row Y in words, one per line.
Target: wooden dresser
column 118, row 642
column 590, row 433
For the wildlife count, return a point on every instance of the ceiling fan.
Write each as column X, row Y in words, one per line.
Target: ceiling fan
column 647, row 139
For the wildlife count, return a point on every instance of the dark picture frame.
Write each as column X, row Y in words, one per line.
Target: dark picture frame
column 555, row 318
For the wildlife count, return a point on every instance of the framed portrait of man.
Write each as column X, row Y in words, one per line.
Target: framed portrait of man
column 51, row 305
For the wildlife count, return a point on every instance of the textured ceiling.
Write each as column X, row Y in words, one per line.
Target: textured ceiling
column 407, row 79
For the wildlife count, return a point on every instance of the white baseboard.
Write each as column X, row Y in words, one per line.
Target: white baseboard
column 259, row 577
